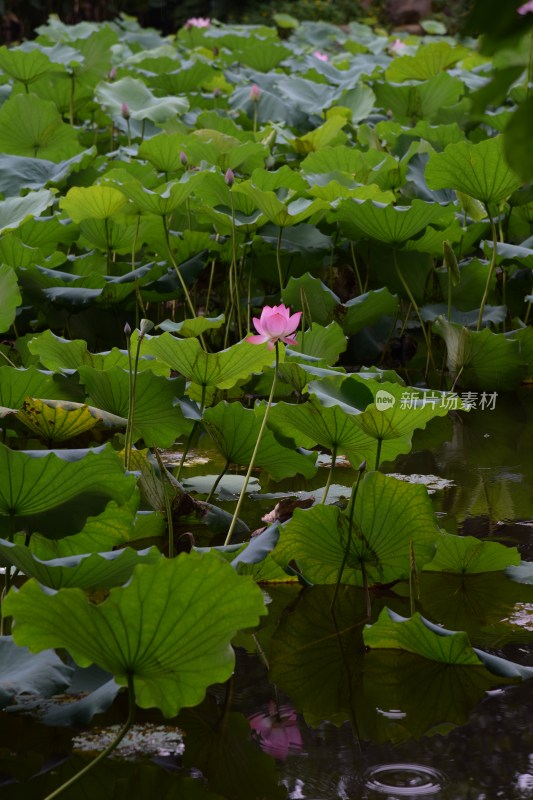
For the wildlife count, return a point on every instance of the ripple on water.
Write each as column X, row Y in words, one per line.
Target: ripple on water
column 404, row 780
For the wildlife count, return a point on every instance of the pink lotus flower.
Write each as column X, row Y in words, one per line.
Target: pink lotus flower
column 276, row 324
column 527, row 8
column 397, row 47
column 321, row 56
column 197, row 22
column 255, row 93
column 277, row 730
column 125, row 111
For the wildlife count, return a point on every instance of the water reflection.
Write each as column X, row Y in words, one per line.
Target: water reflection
column 277, row 730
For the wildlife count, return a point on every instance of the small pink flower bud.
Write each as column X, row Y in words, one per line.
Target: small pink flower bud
column 183, row 159
column 216, row 91
column 229, row 177
column 112, row 74
column 321, row 56
column 124, row 110
column 255, row 93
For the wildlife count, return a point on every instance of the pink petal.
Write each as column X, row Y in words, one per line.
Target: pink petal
column 276, row 326
column 259, row 340
column 258, row 326
column 294, row 321
column 289, row 340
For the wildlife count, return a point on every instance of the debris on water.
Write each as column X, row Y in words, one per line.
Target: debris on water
column 433, row 483
column 141, row 740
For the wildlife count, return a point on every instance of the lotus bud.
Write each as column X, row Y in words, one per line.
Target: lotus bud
column 362, row 467
column 255, row 93
column 125, row 111
column 229, row 177
column 145, row 326
column 216, row 91
column 127, row 329
column 112, row 74
column 183, row 159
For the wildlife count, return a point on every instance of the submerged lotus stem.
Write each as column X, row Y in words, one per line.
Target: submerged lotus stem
column 355, row 489
column 109, row 749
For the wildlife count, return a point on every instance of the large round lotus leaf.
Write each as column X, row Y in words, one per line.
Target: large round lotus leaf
column 142, row 104
column 33, row 127
column 15, row 210
column 235, row 431
column 222, row 369
column 25, row 67
column 92, row 202
column 479, row 170
column 382, row 537
column 170, row 627
column 40, row 481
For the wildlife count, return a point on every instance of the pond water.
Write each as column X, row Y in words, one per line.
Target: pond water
column 330, row 721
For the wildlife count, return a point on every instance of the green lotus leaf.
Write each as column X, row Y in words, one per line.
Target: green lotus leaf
column 18, row 172
column 342, row 159
column 397, row 411
column 326, row 343
column 17, row 384
column 425, row 100
column 366, row 310
column 486, row 360
column 56, row 422
column 23, row 673
column 468, row 555
column 320, row 300
column 142, row 104
column 116, row 525
column 306, row 95
column 325, row 135
column 192, row 327
column 33, row 127
column 262, row 55
column 394, row 632
column 163, row 200
column 393, row 225
column 429, row 61
column 25, row 67
column 92, row 202
column 15, row 210
column 170, row 628
column 158, row 418
column 89, row 572
column 10, row 298
column 479, row 170
column 418, row 635
column 382, row 538
column 164, row 151
column 235, row 431
column 437, row 135
column 310, row 424
column 59, row 354
column 277, row 212
column 222, row 370
column 41, row 481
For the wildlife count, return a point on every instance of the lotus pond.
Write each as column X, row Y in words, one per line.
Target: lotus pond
column 265, row 497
